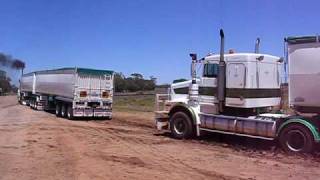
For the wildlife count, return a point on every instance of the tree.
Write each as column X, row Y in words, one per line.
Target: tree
column 5, row 84
column 119, row 82
column 154, row 79
column 134, row 83
column 137, row 76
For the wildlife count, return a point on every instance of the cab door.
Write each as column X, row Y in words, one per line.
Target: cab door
column 208, row 83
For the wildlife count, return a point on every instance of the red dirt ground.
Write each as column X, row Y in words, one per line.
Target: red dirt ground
column 38, row 145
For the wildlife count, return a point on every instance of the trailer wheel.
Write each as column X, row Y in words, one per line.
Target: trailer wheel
column 58, row 110
column 31, row 104
column 63, row 110
column 181, row 126
column 20, row 101
column 296, row 138
column 70, row 112
column 35, row 106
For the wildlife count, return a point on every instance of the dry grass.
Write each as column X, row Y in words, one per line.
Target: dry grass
column 143, row 103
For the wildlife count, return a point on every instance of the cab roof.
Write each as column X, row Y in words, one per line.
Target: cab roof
column 243, row 57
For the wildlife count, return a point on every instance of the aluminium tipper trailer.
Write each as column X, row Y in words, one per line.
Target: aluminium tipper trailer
column 304, row 73
column 236, row 93
column 72, row 92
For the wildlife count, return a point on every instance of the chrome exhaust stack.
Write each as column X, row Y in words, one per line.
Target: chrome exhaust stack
column 194, row 87
column 257, row 46
column 221, row 81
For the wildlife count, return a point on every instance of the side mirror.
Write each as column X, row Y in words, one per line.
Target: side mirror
column 260, row 58
column 281, row 60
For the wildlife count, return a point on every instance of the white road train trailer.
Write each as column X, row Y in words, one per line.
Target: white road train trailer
column 236, row 92
column 72, row 92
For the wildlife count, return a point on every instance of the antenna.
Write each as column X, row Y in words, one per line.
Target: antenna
column 285, row 64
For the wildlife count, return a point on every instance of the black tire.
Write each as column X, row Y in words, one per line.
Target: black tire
column 58, row 110
column 63, row 110
column 181, row 126
column 35, row 106
column 28, row 102
column 70, row 112
column 31, row 104
column 296, row 138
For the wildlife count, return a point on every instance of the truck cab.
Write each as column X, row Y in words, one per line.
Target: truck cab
column 236, row 94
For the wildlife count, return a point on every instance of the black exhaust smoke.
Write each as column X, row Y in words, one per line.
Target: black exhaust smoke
column 9, row 62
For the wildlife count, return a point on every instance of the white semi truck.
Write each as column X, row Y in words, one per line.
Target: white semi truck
column 236, row 93
column 71, row 92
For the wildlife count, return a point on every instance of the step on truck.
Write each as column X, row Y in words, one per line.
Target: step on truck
column 71, row 92
column 237, row 93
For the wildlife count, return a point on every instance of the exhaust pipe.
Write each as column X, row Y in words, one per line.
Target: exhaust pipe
column 257, row 46
column 194, row 87
column 193, row 67
column 221, row 75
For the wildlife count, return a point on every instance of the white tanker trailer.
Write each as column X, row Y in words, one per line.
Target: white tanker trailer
column 236, row 93
column 71, row 92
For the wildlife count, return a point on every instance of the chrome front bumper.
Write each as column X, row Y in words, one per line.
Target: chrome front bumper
column 162, row 120
column 92, row 112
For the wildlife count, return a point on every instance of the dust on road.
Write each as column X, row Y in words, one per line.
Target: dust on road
column 38, row 145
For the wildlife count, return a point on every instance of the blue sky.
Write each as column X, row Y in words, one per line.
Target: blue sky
column 152, row 37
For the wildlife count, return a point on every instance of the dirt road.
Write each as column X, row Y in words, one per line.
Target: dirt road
column 37, row 145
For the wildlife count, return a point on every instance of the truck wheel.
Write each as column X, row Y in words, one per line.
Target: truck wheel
column 58, row 110
column 297, row 139
column 181, row 126
column 35, row 106
column 70, row 112
column 31, row 104
column 63, row 110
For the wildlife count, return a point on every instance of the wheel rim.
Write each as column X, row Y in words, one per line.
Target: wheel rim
column 296, row 140
column 179, row 126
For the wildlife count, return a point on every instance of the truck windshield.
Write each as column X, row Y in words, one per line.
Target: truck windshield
column 210, row 70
